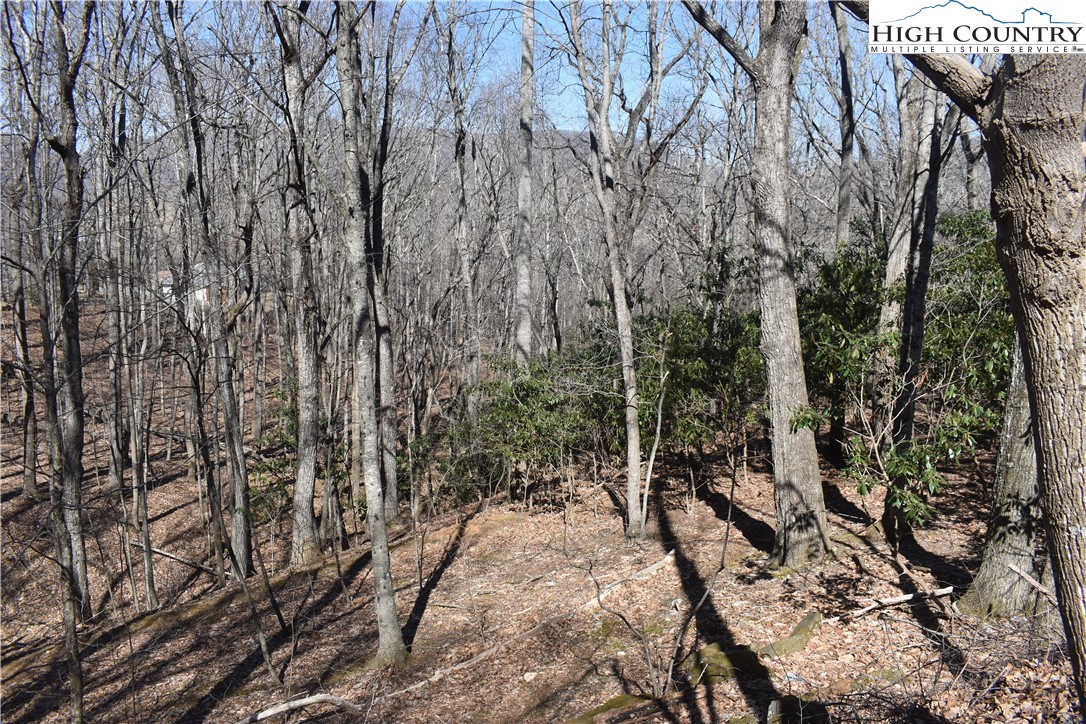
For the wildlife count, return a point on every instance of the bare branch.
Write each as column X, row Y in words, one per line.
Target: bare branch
column 722, row 36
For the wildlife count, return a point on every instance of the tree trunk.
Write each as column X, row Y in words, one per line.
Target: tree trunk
column 847, row 123
column 1015, row 519
column 472, row 331
column 602, row 168
column 197, row 220
column 390, row 643
column 801, row 535
column 895, row 524
column 305, row 540
column 1038, row 185
column 522, row 242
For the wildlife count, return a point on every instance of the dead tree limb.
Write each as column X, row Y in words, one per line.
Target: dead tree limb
column 1035, row 583
column 884, row 602
column 288, row 706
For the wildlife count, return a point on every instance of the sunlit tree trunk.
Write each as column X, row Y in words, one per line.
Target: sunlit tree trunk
column 801, row 535
column 390, row 646
column 522, row 240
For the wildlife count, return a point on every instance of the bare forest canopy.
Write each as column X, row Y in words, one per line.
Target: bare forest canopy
column 292, row 288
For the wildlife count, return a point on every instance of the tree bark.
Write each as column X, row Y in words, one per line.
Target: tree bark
column 472, row 331
column 847, row 125
column 603, row 168
column 1033, row 139
column 1015, row 518
column 305, row 539
column 1031, row 115
column 522, row 242
column 390, row 643
column 801, row 536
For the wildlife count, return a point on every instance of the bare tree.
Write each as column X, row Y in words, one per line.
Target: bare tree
column 302, row 230
column 390, row 646
column 801, row 535
column 59, row 300
column 198, row 219
column 629, row 156
column 522, row 235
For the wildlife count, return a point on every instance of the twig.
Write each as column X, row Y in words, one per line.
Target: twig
column 287, row 706
column 1035, row 583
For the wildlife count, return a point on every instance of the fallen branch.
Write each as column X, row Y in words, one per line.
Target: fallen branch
column 487, row 653
column 172, row 557
column 884, row 602
column 287, row 706
column 1035, row 583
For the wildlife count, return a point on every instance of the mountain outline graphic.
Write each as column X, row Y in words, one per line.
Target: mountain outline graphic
column 963, row 6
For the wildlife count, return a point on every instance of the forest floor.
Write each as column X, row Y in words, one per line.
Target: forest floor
column 540, row 615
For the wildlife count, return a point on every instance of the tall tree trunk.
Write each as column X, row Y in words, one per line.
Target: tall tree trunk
column 472, row 324
column 522, row 241
column 895, row 523
column 1015, row 518
column 374, row 187
column 1038, row 186
column 390, row 646
column 602, row 168
column 197, row 220
column 58, row 301
column 22, row 344
column 65, row 415
column 847, row 124
column 916, row 108
column 305, row 545
column 801, row 536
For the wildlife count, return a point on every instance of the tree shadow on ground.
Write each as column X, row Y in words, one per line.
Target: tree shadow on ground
column 758, row 534
column 841, row 506
column 452, row 549
column 255, row 661
column 947, row 572
column 756, row 686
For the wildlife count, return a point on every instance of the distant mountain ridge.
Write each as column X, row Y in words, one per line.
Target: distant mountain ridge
column 956, row 6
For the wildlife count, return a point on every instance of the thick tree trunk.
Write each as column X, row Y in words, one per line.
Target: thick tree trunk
column 1033, row 139
column 801, row 535
column 1015, row 519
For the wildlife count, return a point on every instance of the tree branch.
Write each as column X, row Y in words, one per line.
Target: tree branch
column 952, row 74
column 722, row 36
